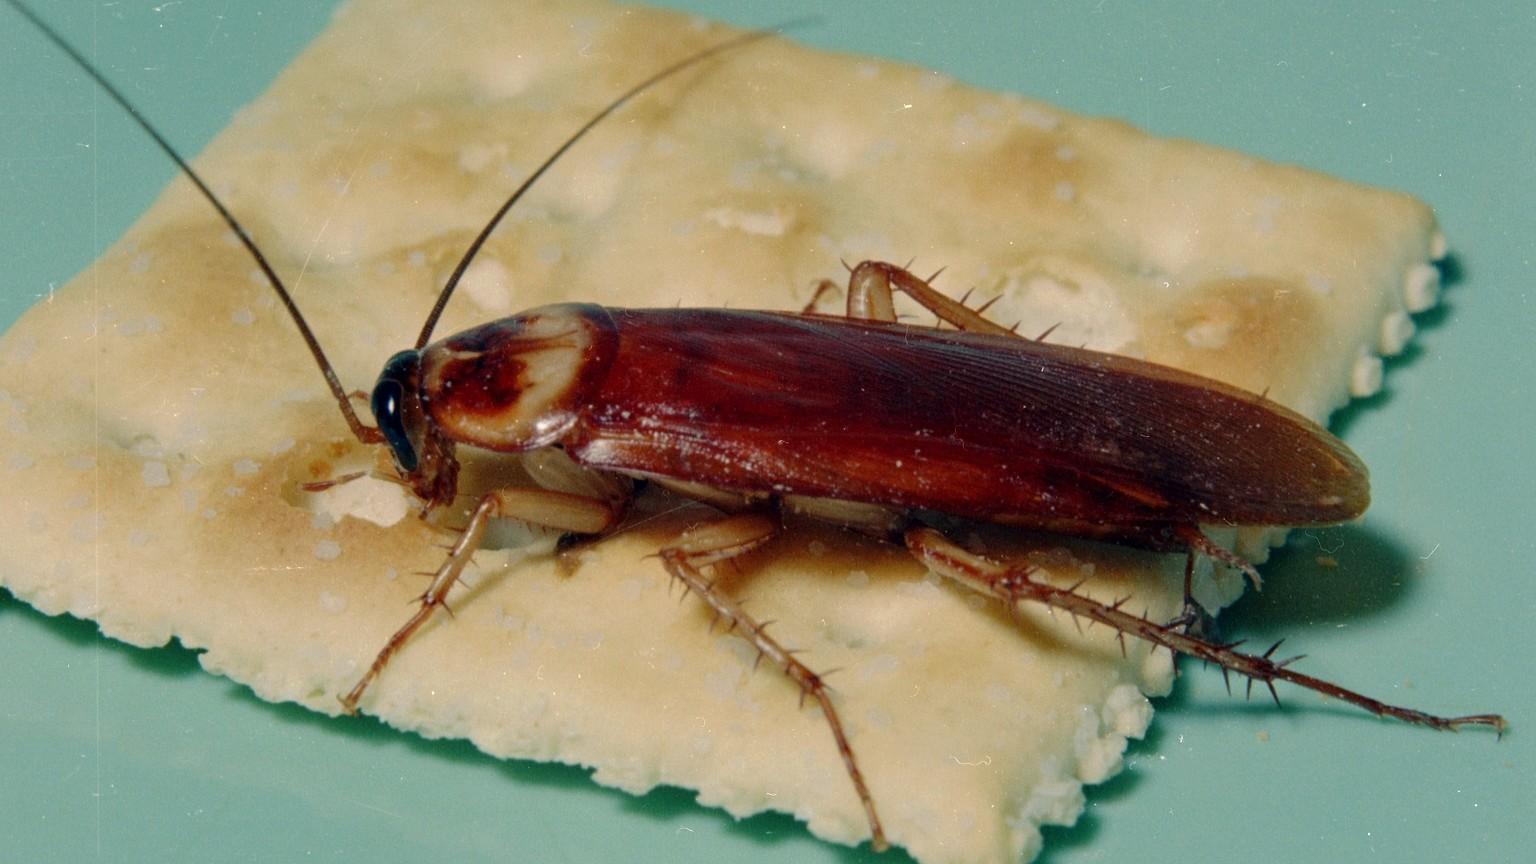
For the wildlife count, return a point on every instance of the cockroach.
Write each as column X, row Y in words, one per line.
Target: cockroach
column 855, row 419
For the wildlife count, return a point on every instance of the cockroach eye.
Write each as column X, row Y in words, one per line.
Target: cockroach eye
column 389, row 409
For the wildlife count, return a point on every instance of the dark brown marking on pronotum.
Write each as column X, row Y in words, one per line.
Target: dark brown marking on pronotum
column 855, row 419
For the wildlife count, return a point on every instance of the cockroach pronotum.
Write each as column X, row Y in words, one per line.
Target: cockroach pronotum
column 722, row 406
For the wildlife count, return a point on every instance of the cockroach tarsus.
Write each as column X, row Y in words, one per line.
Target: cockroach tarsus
column 722, row 406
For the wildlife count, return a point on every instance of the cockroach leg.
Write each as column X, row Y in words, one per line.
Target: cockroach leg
column 725, row 539
column 823, row 288
column 723, row 500
column 558, row 510
column 869, row 293
column 333, row 482
column 872, row 520
column 1012, row 584
column 562, row 511
column 551, row 468
column 722, row 539
column 1196, row 540
column 1192, row 619
column 869, row 297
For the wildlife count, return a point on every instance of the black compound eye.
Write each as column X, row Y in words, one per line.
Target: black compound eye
column 389, row 410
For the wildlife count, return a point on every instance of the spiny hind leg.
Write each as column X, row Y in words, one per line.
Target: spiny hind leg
column 725, row 539
column 1192, row 618
column 561, row 511
column 553, row 469
column 822, row 289
column 1013, row 584
column 870, row 297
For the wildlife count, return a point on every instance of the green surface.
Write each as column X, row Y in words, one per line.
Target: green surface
column 113, row 754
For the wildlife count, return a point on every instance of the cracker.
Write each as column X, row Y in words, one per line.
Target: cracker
column 1265, row 276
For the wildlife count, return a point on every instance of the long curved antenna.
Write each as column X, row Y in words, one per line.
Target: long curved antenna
column 485, row 233
column 365, row 434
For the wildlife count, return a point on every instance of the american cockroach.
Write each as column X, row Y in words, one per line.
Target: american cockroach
column 855, row 419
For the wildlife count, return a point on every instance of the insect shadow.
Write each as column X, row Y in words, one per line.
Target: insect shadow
column 1324, row 577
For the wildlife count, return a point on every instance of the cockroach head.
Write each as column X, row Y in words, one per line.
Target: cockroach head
column 422, row 455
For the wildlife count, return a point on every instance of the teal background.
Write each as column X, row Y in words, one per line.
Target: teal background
column 114, row 754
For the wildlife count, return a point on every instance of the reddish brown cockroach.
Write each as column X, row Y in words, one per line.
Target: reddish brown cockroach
column 855, row 419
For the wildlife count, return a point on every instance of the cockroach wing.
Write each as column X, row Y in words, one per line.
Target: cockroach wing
column 985, row 427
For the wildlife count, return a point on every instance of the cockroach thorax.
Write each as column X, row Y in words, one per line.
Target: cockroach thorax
column 515, row 384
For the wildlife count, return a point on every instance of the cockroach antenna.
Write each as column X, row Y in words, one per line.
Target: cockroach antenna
column 485, row 233
column 370, row 434
column 366, row 434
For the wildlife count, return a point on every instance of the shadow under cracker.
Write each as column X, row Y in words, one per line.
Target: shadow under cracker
column 1323, row 577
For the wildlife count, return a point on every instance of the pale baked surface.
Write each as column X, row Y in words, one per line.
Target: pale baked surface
column 156, row 503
